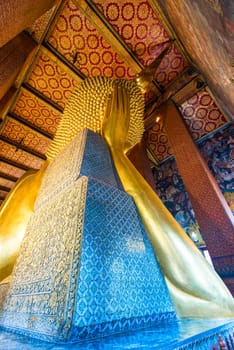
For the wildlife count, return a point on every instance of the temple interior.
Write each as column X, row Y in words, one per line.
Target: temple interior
column 162, row 171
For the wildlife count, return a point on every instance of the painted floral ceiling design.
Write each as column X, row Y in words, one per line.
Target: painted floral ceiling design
column 115, row 38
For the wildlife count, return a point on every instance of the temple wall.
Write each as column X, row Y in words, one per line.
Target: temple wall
column 218, row 151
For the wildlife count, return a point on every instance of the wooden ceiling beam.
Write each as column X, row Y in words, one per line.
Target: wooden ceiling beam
column 100, row 22
column 14, row 164
column 189, row 90
column 6, row 102
column 30, row 125
column 97, row 19
column 42, row 97
column 62, row 63
column 65, row 62
column 22, row 147
column 187, row 84
column 5, row 189
column 169, row 29
column 8, row 177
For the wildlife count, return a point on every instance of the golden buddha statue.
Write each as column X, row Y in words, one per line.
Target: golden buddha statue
column 114, row 108
column 14, row 216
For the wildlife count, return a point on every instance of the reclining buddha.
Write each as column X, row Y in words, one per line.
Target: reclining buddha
column 114, row 109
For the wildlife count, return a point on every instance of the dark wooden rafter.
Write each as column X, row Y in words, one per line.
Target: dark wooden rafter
column 14, row 164
column 189, row 90
column 100, row 22
column 8, row 177
column 5, row 189
column 30, row 125
column 184, row 87
column 50, row 48
column 7, row 100
column 42, row 97
column 59, row 4
column 26, row 71
column 170, row 31
column 94, row 15
column 53, row 20
column 22, row 147
column 63, row 59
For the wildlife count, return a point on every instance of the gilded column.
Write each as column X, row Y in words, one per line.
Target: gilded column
column 212, row 212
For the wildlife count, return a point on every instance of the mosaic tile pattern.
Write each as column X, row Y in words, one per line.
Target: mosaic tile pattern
column 51, row 80
column 19, row 156
column 11, row 170
column 157, row 141
column 4, row 287
column 23, row 135
column 86, row 155
column 121, row 286
column 65, row 168
column 97, row 161
column 143, row 32
column 41, row 297
column 202, row 115
column 113, row 290
column 77, row 39
column 182, row 335
column 90, row 276
column 36, row 111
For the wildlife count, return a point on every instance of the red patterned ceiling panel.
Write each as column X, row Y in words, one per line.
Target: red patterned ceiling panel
column 157, row 141
column 11, row 170
column 6, row 183
column 37, row 112
column 76, row 38
column 138, row 26
column 19, row 156
column 202, row 115
column 23, row 135
column 171, row 66
column 51, row 80
column 143, row 32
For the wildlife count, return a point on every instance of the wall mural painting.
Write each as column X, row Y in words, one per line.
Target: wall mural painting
column 218, row 151
column 171, row 190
